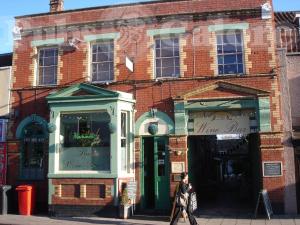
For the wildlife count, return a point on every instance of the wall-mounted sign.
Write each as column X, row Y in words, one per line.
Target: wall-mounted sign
column 212, row 123
column 272, row 169
column 177, row 167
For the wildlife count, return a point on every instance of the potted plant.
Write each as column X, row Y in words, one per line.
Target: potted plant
column 124, row 205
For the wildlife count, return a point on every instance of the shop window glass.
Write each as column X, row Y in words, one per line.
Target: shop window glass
column 103, row 61
column 167, row 63
column 48, row 59
column 33, row 156
column 125, row 154
column 230, row 53
column 85, row 141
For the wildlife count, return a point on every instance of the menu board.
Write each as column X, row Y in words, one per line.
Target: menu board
column 3, row 162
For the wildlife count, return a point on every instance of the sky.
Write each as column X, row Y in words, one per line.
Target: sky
column 11, row 8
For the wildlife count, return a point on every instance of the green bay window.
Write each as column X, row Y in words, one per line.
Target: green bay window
column 84, row 141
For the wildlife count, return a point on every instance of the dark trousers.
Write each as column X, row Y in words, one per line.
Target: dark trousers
column 178, row 213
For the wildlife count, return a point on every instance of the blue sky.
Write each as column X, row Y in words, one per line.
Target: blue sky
column 11, row 8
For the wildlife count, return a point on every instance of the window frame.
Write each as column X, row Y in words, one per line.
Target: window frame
column 173, row 57
column 38, row 83
column 228, row 32
column 92, row 44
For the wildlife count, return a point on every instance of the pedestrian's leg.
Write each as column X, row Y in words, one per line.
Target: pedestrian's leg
column 192, row 219
column 176, row 216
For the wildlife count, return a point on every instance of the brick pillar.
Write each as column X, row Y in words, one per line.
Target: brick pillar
column 178, row 154
column 272, row 151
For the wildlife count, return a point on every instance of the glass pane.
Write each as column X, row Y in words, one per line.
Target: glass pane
column 229, row 48
column 230, row 69
column 158, row 72
column 219, row 39
column 123, row 124
column 167, row 52
column 85, row 141
column 168, row 72
column 167, row 43
column 240, row 68
column 220, row 49
column 167, row 62
column 103, row 67
column 103, row 57
column 177, row 71
column 230, row 59
column 157, row 43
column 239, row 48
column 238, row 38
column 220, row 59
column 158, row 62
column 157, row 53
column 221, row 69
column 239, row 58
column 229, row 38
column 161, row 157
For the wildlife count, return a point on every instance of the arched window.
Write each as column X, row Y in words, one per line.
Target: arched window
column 34, row 145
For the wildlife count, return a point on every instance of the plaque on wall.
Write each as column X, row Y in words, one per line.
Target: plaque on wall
column 272, row 169
column 178, row 167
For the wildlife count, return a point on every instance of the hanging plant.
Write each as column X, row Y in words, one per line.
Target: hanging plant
column 88, row 139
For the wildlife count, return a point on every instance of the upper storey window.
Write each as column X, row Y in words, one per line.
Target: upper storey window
column 230, row 53
column 103, row 61
column 167, row 61
column 48, row 58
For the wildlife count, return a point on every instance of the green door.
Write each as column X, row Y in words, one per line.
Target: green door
column 161, row 171
column 156, row 173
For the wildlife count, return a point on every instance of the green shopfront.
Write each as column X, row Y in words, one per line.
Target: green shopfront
column 90, row 148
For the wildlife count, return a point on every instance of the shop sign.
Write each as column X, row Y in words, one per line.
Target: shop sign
column 177, row 167
column 212, row 123
column 272, row 169
column 3, row 162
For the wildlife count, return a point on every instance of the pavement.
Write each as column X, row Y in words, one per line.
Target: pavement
column 143, row 220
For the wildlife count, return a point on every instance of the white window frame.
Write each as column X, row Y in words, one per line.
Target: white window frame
column 92, row 44
column 155, row 57
column 226, row 32
column 38, row 65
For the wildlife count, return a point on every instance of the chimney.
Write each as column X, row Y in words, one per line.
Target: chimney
column 56, row 5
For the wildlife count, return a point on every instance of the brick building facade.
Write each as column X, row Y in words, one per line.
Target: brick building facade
column 201, row 70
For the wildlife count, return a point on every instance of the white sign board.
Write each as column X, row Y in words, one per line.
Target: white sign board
column 212, row 123
column 129, row 64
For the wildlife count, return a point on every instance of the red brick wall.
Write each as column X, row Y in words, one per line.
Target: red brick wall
column 134, row 42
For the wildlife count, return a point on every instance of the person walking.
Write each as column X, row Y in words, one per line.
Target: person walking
column 181, row 198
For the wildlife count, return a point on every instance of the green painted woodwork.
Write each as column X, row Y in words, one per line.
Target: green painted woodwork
column 47, row 42
column 90, row 92
column 221, row 105
column 160, row 115
column 155, row 187
column 108, row 36
column 180, row 118
column 221, row 27
column 162, row 179
column 27, row 121
column 264, row 114
column 260, row 105
column 92, row 99
column 51, row 191
column 166, row 31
